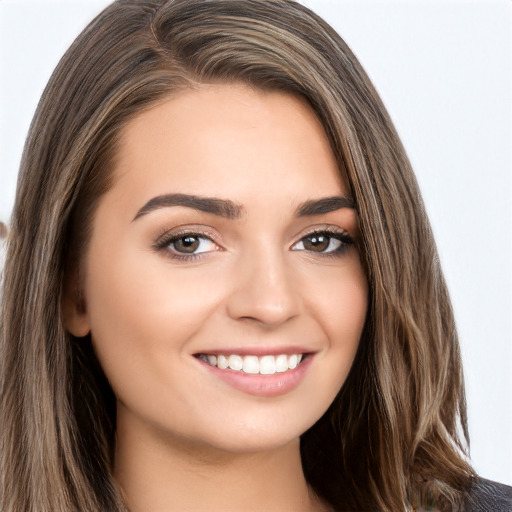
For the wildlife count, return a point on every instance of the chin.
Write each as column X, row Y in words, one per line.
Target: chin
column 254, row 433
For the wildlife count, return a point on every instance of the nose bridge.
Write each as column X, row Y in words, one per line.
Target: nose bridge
column 264, row 287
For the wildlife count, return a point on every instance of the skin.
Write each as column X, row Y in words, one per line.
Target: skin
column 186, row 440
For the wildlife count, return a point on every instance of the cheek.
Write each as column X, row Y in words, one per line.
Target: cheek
column 340, row 309
column 142, row 319
column 349, row 312
column 135, row 291
column 341, row 302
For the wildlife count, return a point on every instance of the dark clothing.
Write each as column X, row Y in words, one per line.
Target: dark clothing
column 487, row 496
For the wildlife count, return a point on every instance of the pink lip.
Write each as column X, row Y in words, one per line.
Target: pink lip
column 261, row 385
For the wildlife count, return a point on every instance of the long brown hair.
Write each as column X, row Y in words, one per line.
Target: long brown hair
column 395, row 437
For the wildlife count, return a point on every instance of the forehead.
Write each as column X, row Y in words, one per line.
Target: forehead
column 227, row 139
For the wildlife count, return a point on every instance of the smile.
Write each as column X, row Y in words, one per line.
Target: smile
column 264, row 365
column 265, row 375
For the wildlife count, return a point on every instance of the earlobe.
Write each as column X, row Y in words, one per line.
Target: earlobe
column 75, row 317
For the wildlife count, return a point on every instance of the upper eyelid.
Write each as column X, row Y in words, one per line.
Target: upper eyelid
column 169, row 234
column 322, row 228
column 329, row 232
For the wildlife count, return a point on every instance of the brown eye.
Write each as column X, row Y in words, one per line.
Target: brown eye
column 186, row 244
column 324, row 243
column 317, row 243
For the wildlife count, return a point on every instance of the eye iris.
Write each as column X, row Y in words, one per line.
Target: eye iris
column 187, row 244
column 318, row 243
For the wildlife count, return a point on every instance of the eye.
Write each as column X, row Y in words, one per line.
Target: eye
column 324, row 242
column 185, row 245
column 191, row 244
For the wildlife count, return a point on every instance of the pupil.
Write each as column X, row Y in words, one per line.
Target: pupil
column 317, row 243
column 187, row 244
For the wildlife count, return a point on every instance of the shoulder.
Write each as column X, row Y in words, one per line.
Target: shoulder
column 487, row 496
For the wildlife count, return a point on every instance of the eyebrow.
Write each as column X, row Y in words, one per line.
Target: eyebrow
column 231, row 210
column 325, row 205
column 221, row 207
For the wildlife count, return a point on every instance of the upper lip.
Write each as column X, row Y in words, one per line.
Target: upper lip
column 258, row 350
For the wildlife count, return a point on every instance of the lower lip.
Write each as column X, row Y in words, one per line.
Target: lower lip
column 262, row 385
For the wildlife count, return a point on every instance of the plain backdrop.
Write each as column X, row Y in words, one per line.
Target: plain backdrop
column 443, row 69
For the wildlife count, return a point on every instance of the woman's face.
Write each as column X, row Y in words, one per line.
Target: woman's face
column 226, row 239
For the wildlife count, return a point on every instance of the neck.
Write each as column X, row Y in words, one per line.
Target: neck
column 166, row 475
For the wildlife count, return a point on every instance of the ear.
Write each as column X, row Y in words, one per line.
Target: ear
column 74, row 310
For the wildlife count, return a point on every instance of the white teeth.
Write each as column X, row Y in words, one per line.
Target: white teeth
column 251, row 364
column 235, row 362
column 265, row 365
column 281, row 363
column 222, row 362
column 293, row 361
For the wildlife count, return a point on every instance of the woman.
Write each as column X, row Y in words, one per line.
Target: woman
column 221, row 289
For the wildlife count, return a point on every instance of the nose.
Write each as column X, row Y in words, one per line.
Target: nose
column 264, row 290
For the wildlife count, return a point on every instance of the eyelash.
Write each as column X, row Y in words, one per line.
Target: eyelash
column 346, row 241
column 166, row 239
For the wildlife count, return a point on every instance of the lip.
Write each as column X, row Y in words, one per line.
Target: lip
column 257, row 384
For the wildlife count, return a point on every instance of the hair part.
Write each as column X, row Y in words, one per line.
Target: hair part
column 391, row 440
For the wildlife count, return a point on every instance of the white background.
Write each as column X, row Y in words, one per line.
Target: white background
column 443, row 69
